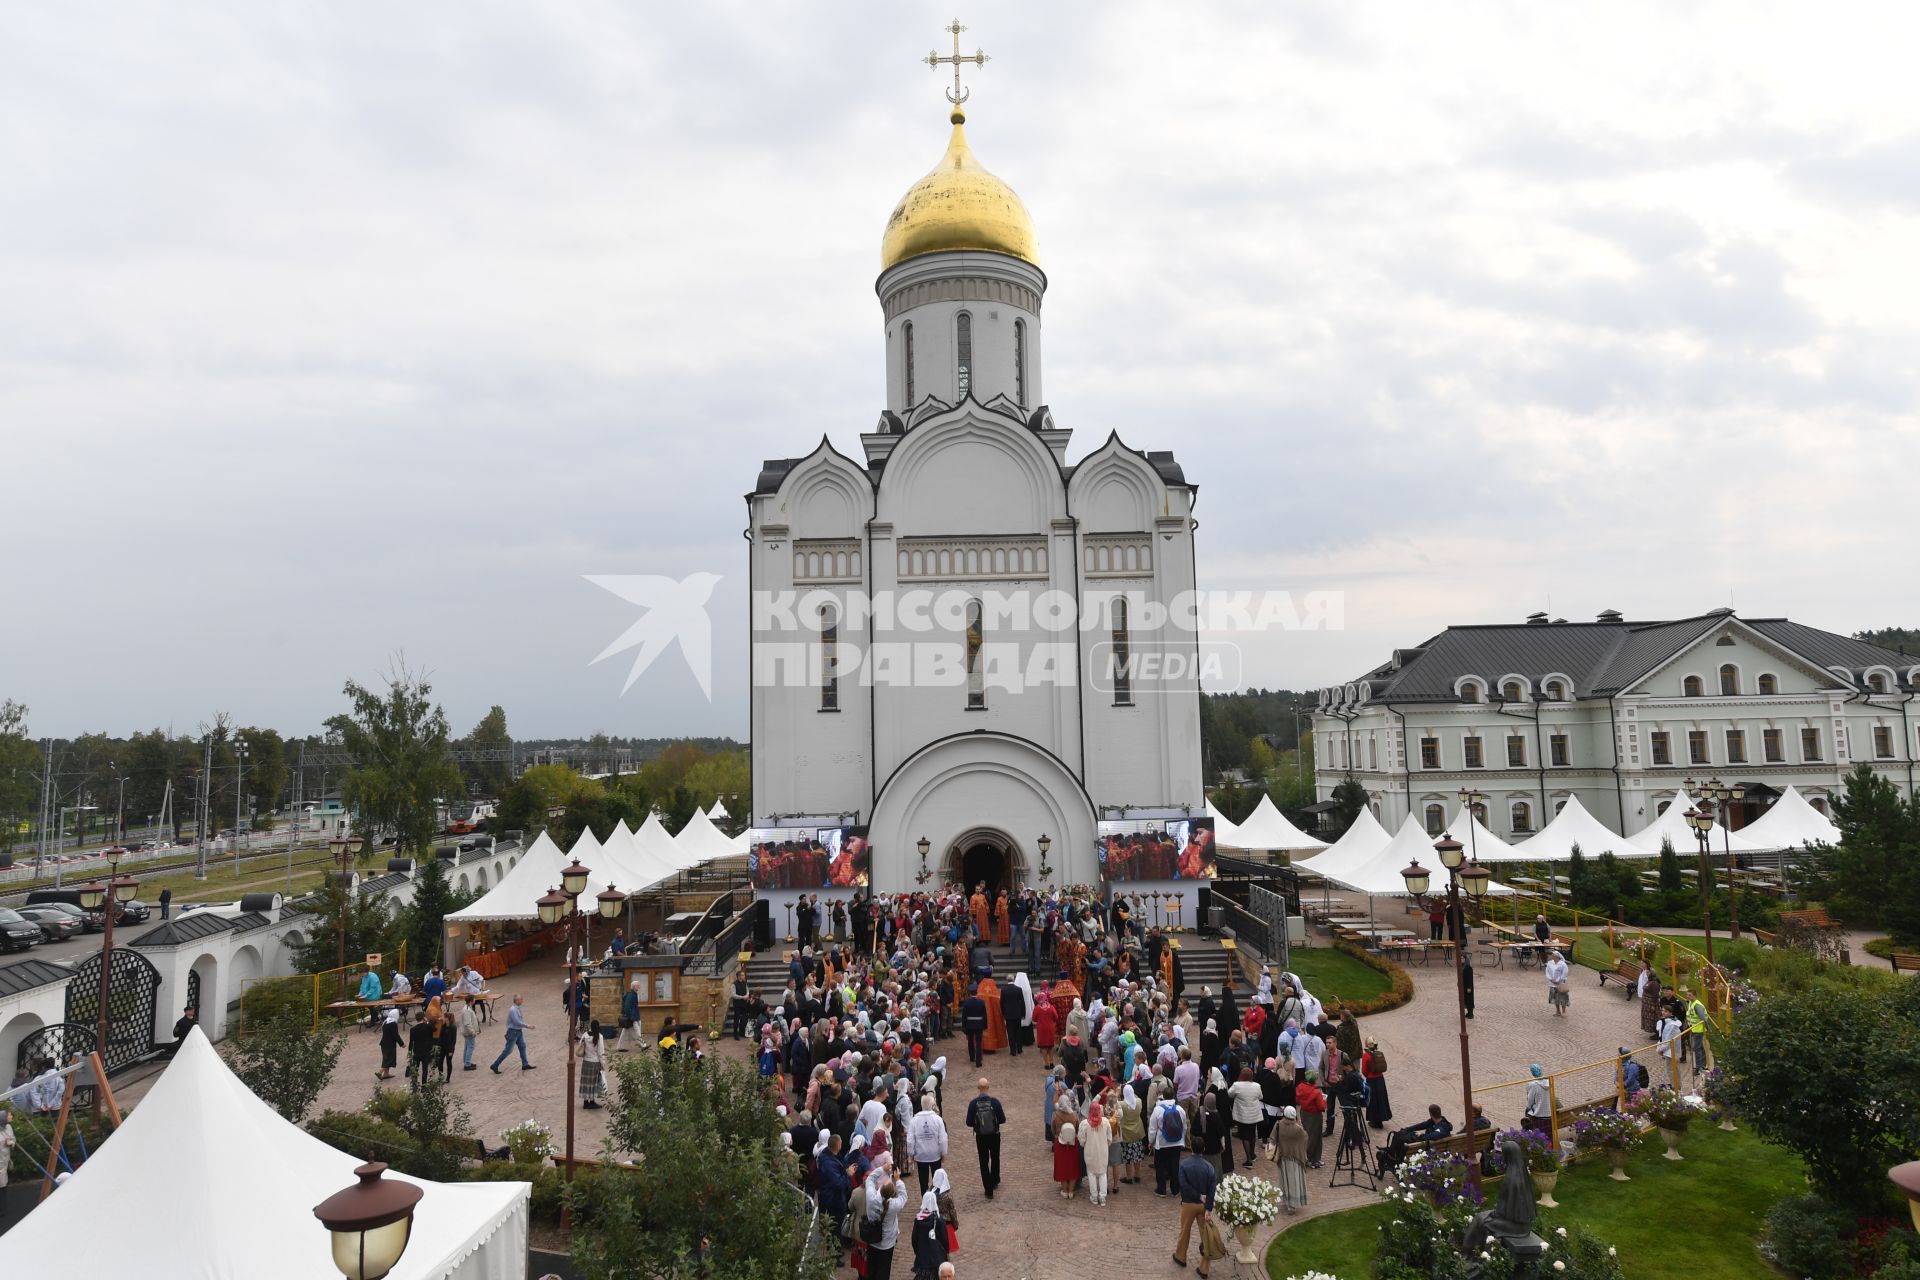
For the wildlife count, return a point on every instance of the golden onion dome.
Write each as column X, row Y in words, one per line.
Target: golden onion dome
column 958, row 206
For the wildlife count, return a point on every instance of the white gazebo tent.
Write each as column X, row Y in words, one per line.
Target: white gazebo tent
column 700, row 841
column 1266, row 828
column 1359, row 842
column 1223, row 828
column 657, row 849
column 1482, row 845
column 1672, row 825
column 1791, row 823
column 719, row 810
column 1379, row 875
column 1573, row 827
column 213, row 1183
column 525, row 882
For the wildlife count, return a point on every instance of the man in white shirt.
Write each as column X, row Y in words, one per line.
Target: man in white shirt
column 401, row 986
column 927, row 1139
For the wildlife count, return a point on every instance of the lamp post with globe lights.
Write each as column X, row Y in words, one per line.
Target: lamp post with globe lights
column 345, row 849
column 1044, row 843
column 1700, row 818
column 556, row 906
column 925, row 846
column 107, row 898
column 1714, row 792
column 1470, row 875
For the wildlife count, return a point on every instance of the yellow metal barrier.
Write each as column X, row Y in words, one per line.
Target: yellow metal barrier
column 1594, row 935
column 1588, row 1083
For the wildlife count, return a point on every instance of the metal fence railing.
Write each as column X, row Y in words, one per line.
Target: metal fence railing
column 1572, row 1089
column 1272, row 908
column 261, row 998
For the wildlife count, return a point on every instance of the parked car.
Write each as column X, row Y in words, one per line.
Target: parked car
column 89, row 921
column 133, row 912
column 17, row 933
column 55, row 925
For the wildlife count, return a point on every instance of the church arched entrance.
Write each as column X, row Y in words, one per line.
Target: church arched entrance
column 988, row 857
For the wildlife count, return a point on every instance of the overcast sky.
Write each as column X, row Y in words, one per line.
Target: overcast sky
column 334, row 329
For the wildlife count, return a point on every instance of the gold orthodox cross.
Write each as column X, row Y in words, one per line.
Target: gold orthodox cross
column 957, row 95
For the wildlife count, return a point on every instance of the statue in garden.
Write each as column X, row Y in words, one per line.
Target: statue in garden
column 1510, row 1221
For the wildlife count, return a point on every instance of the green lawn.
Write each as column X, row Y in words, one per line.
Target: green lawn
column 1591, row 948
column 1709, row 1208
column 1330, row 973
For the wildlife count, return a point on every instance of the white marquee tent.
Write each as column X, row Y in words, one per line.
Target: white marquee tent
column 719, row 810
column 1672, row 825
column 657, row 846
column 1379, row 876
column 1358, row 843
column 1482, row 844
column 525, row 882
column 214, row 1185
column 1223, row 828
column 1790, row 824
column 1574, row 826
column 1267, row 828
column 700, row 841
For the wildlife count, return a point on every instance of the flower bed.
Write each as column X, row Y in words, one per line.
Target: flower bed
column 1663, row 1108
column 1604, row 1129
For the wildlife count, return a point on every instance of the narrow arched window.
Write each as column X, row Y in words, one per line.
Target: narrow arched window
column 1020, row 363
column 1521, row 816
column 829, row 659
column 1877, row 682
column 1729, row 680
column 963, row 347
column 1510, row 691
column 1769, row 684
column 906, row 344
column 976, row 637
column 1692, row 687
column 1122, row 657
column 1469, row 692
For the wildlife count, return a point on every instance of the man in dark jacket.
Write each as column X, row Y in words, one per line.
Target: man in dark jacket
column 986, row 1117
column 1013, row 1006
column 973, row 1021
column 1198, row 1179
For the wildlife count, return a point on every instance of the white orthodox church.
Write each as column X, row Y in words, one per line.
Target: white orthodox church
column 911, row 673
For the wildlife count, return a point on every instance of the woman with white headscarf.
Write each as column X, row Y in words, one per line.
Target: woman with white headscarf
column 1290, row 1146
column 929, row 1238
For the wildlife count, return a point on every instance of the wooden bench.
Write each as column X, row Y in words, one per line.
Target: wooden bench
column 1766, row 939
column 1812, row 918
column 1626, row 973
column 1471, row 1144
column 1904, row 962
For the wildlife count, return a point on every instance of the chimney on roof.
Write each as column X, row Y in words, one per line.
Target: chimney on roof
column 1559, row 622
column 1536, row 619
column 1609, row 615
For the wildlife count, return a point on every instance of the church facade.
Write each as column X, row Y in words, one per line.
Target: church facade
column 966, row 649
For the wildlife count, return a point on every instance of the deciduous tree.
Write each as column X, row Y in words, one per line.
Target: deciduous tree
column 399, row 739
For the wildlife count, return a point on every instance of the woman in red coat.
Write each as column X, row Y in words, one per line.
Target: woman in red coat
column 1066, row 1151
column 1046, row 1026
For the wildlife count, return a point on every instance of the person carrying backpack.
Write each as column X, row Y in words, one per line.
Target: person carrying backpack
column 985, row 1116
column 1169, row 1130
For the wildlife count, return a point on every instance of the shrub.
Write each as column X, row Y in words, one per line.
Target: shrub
column 33, row 1135
column 1807, row 1237
column 364, row 1137
column 286, row 1062
column 389, row 1105
column 530, row 1142
column 1418, row 1242
column 1401, row 979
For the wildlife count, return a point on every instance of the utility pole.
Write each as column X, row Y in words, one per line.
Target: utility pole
column 239, row 789
column 46, row 802
column 206, row 804
column 293, row 814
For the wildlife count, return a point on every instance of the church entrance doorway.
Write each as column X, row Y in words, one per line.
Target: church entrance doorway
column 985, row 857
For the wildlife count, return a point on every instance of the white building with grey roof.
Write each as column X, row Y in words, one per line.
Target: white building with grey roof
column 1619, row 713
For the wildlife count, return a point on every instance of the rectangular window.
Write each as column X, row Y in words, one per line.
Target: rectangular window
column 1882, row 742
column 963, row 328
column 976, row 674
column 1662, row 744
column 1516, row 752
column 1429, row 753
column 1809, row 744
column 1558, row 745
column 906, row 331
column 1473, row 758
column 1020, row 363
column 1771, row 744
column 1122, row 657
column 1697, row 746
column 829, row 659
column 1373, row 753
column 1736, row 746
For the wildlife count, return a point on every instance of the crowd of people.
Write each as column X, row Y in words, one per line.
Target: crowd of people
column 852, row 1051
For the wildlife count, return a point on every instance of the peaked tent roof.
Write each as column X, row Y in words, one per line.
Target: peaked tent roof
column 199, row 1146
column 719, row 810
column 1379, row 876
column 1789, row 824
column 700, row 841
column 657, row 848
column 1574, row 826
column 1267, row 828
column 525, row 883
column 1482, row 844
column 1672, row 825
column 1359, row 842
column 1224, row 828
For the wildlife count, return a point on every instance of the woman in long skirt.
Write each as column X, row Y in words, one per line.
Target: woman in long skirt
column 1290, row 1140
column 1373, row 1069
column 1649, row 1000
column 592, row 1067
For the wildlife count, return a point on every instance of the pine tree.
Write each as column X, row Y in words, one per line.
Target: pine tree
column 1669, row 868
